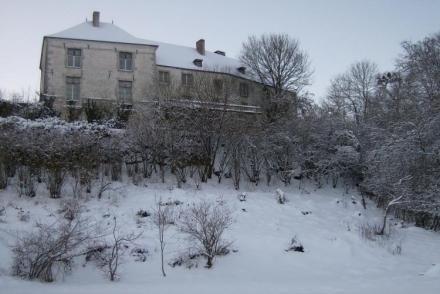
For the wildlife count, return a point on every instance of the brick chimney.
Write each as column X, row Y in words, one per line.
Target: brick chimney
column 96, row 18
column 200, row 46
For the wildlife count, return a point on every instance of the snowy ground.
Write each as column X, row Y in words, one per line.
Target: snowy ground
column 336, row 258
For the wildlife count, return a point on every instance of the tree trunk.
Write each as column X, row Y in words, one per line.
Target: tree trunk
column 384, row 224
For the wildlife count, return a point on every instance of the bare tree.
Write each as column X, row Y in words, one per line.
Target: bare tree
column 112, row 259
column 163, row 218
column 278, row 62
column 420, row 64
column 205, row 223
column 353, row 92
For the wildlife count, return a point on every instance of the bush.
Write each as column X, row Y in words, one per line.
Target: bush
column 295, row 245
column 38, row 255
column 143, row 213
column 26, row 181
column 369, row 231
column 3, row 176
column 205, row 224
column 281, row 197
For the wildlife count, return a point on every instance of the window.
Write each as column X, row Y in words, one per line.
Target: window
column 74, row 57
column 187, row 80
column 72, row 88
column 218, row 86
column 244, row 90
column 125, row 61
column 125, row 93
column 164, row 77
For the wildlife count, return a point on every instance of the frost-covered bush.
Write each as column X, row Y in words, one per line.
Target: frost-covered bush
column 26, row 181
column 280, row 195
column 205, row 223
column 3, row 176
column 369, row 231
column 48, row 250
column 295, row 245
column 58, row 149
column 110, row 257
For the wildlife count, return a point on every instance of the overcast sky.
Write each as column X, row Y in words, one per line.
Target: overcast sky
column 334, row 33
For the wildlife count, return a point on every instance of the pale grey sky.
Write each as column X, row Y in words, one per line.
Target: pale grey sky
column 334, row 33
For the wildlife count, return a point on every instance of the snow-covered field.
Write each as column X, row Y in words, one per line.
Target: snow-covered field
column 336, row 258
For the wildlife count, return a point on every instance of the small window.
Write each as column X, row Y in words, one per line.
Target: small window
column 198, row 62
column 218, row 86
column 244, row 90
column 164, row 77
column 187, row 80
column 74, row 57
column 72, row 88
column 125, row 91
column 125, row 61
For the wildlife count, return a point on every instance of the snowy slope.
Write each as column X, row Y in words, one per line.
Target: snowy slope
column 336, row 259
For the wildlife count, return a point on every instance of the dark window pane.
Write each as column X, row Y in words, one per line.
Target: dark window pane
column 125, row 91
column 244, row 90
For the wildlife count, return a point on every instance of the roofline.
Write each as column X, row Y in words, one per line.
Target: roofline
column 211, row 71
column 90, row 40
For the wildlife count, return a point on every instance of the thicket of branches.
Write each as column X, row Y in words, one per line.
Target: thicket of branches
column 50, row 150
column 396, row 118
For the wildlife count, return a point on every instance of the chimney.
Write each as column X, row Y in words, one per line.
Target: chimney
column 96, row 18
column 200, row 46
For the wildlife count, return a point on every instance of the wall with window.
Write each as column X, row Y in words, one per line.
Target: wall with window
column 77, row 70
column 182, row 81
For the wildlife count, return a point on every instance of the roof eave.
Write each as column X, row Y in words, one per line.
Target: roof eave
column 91, row 40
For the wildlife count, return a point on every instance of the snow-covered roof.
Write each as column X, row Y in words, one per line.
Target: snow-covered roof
column 166, row 54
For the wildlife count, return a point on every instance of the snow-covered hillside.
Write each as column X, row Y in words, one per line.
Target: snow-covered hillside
column 326, row 221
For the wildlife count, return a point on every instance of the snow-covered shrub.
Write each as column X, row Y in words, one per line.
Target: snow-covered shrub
column 3, row 176
column 94, row 111
column 139, row 254
column 25, row 110
column 295, row 245
column 188, row 259
column 55, row 181
column 281, row 197
column 369, row 231
column 59, row 149
column 142, row 213
column 205, row 224
column 242, row 196
column 111, row 258
column 25, row 181
column 49, row 250
column 23, row 216
column 396, row 249
column 71, row 209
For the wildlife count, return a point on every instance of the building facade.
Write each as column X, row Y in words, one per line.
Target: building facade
column 97, row 61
